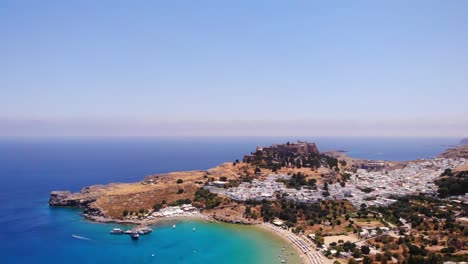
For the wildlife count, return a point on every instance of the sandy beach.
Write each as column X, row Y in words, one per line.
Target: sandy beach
column 305, row 249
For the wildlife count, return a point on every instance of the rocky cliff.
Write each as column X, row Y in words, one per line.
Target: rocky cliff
column 77, row 200
column 67, row 199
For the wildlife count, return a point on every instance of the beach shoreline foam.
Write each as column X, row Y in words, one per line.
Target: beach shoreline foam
column 302, row 246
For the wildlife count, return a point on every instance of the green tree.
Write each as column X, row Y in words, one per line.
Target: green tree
column 367, row 260
column 157, row 206
column 365, row 249
column 248, row 210
column 210, row 199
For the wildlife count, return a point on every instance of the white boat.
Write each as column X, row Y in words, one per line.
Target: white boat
column 143, row 230
column 194, row 229
column 173, row 226
column 116, row 231
column 135, row 236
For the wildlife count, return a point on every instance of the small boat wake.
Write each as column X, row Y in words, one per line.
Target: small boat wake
column 80, row 237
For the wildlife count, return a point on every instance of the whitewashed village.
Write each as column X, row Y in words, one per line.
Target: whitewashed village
column 417, row 177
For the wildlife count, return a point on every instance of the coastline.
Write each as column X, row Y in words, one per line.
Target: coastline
column 303, row 257
column 309, row 256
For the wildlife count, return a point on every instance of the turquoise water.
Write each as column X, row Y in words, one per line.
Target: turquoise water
column 61, row 235
column 31, row 232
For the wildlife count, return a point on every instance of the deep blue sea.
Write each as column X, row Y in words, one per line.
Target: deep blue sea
column 31, row 232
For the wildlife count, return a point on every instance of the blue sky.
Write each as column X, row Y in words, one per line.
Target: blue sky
column 392, row 68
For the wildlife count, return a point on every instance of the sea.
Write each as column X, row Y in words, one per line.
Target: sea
column 32, row 232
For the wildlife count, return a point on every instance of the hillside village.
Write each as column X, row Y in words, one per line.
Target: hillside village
column 368, row 186
column 379, row 187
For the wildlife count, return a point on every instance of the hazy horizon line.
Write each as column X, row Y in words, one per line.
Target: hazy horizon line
column 292, row 139
column 445, row 128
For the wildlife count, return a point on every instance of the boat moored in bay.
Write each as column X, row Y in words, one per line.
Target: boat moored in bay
column 135, row 236
column 116, row 231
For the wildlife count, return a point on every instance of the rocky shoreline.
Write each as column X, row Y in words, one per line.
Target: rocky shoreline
column 68, row 199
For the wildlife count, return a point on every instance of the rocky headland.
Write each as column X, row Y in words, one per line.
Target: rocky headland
column 464, row 141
